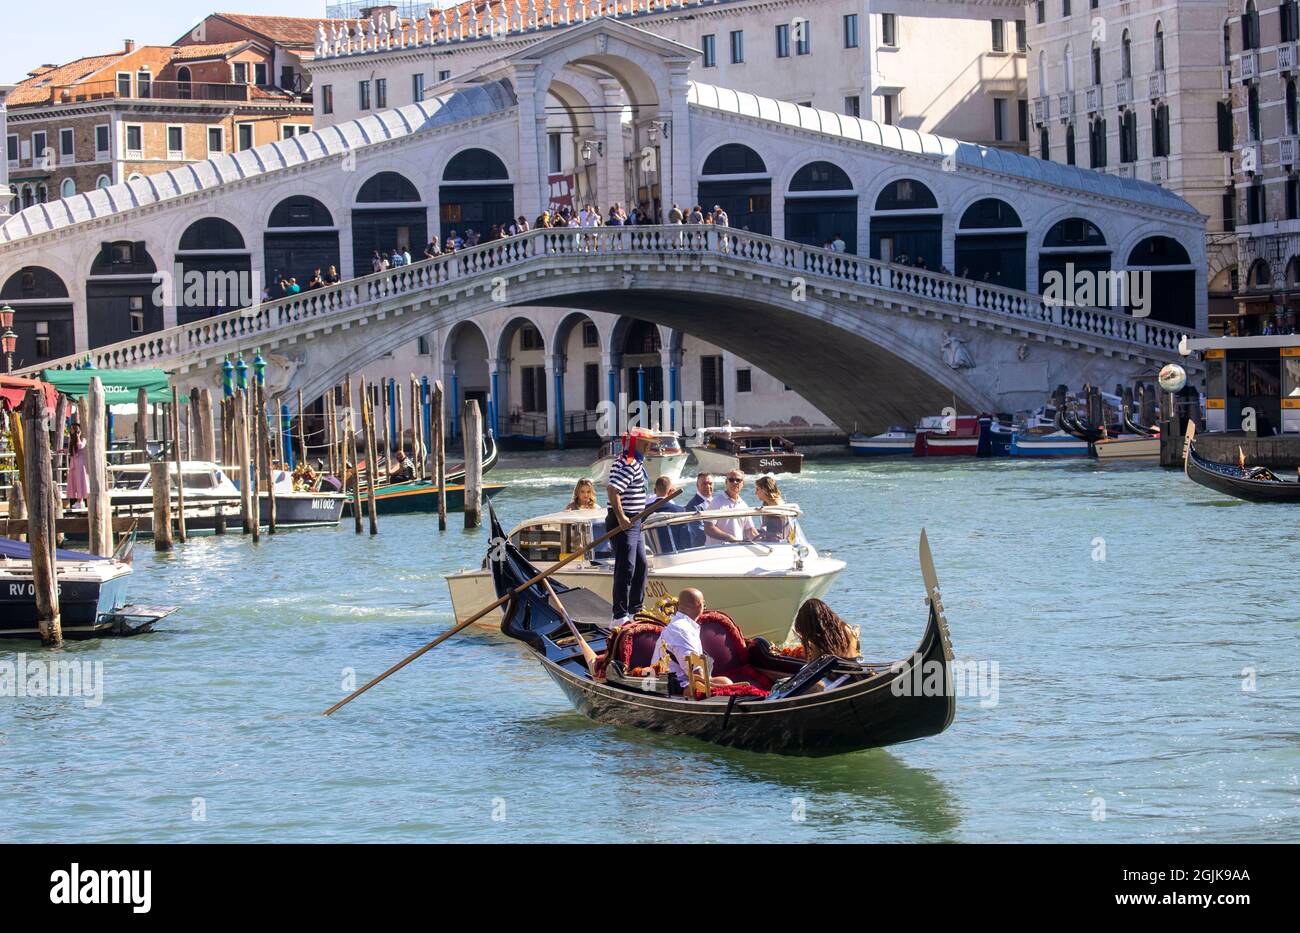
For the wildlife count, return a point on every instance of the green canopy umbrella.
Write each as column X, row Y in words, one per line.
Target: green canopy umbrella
column 120, row 385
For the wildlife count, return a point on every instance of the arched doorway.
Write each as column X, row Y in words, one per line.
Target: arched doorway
column 520, row 394
column 907, row 225
column 1070, row 247
column 577, row 380
column 991, row 244
column 736, row 178
column 475, row 194
column 184, row 83
column 42, row 315
column 120, row 294
column 212, row 253
column 642, row 362
column 388, row 214
column 300, row 238
column 1170, row 290
column 820, row 205
column 465, row 363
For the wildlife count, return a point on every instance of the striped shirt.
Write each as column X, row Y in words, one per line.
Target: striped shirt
column 629, row 481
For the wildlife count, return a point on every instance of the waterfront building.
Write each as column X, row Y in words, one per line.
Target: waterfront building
column 1252, row 384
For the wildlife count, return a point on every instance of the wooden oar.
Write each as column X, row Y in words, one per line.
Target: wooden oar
column 588, row 655
column 501, row 601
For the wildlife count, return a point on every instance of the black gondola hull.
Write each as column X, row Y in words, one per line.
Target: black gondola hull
column 1232, row 481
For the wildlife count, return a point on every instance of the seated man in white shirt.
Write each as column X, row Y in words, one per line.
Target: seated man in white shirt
column 730, row 530
column 681, row 637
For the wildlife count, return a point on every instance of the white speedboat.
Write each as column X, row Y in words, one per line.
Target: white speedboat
column 896, row 442
column 761, row 583
column 666, row 457
column 1128, row 447
column 720, row 450
column 208, row 486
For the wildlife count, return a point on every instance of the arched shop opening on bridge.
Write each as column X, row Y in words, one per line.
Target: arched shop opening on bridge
column 1074, row 245
column 465, row 363
column 907, row 225
column 300, row 238
column 476, row 193
column 736, row 179
column 519, row 394
column 42, row 315
column 389, row 214
column 120, row 293
column 1171, row 285
column 991, row 244
column 212, row 252
column 820, row 205
column 641, row 361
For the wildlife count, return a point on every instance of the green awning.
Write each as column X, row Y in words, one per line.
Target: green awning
column 120, row 385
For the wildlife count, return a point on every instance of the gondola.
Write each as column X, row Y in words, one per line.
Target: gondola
column 1250, row 485
column 1132, row 427
column 827, row 707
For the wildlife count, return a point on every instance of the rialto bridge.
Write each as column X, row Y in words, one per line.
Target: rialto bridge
column 866, row 337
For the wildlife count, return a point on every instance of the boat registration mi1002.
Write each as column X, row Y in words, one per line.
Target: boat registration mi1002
column 322, row 504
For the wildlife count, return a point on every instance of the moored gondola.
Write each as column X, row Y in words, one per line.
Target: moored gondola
column 827, row 707
column 1257, row 485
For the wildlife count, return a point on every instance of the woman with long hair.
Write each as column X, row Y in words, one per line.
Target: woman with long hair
column 822, row 632
column 78, row 481
column 584, row 496
column 775, row 527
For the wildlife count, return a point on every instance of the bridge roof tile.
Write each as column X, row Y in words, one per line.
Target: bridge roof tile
column 966, row 154
column 476, row 101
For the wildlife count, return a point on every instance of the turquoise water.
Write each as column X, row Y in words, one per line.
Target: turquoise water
column 1120, row 713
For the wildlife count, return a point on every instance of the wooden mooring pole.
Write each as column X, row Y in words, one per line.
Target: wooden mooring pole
column 98, row 497
column 349, row 453
column 473, row 465
column 242, row 455
column 160, row 484
column 440, row 452
column 141, row 425
column 368, row 426
column 41, row 496
column 176, row 457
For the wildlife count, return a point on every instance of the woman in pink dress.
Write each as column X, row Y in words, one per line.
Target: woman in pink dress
column 77, row 481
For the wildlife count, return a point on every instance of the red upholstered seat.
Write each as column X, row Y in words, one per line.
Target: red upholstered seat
column 631, row 645
column 723, row 642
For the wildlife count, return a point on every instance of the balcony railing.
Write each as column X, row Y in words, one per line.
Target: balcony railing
column 1286, row 58
column 1159, row 170
column 1065, row 106
column 1042, row 110
column 1092, row 98
column 1288, row 150
column 1124, row 92
column 153, row 90
column 1250, row 65
column 1156, row 85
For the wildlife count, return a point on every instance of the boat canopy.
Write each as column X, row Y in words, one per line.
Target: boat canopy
column 13, row 389
column 21, row 550
column 120, row 385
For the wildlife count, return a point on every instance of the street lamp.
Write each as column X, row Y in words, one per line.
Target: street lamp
column 8, row 339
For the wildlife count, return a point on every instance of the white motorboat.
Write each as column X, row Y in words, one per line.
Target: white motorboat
column 896, row 442
column 1128, row 447
column 666, row 457
column 760, row 583
column 208, row 486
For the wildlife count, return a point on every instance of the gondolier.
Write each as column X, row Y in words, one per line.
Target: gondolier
column 628, row 490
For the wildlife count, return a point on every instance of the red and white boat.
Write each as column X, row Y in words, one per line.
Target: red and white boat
column 947, row 436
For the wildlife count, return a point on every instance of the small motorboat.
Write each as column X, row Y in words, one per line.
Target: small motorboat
column 421, row 495
column 666, row 457
column 1055, row 444
column 761, row 582
column 777, row 704
column 1128, row 447
column 92, row 594
column 721, row 450
column 209, row 488
column 896, row 442
column 1252, row 484
column 996, row 432
column 947, row 436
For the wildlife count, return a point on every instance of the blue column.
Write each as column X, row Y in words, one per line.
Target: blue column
column 640, row 384
column 613, row 392
column 493, row 400
column 426, row 414
column 286, row 431
column 672, row 398
column 559, row 408
column 453, row 403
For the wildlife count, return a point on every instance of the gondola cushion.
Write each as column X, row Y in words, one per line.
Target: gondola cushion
column 722, row 641
column 631, row 646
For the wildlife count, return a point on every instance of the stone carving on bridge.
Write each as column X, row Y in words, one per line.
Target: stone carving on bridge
column 956, row 353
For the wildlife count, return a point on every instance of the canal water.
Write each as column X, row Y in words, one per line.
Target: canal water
column 1133, row 637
